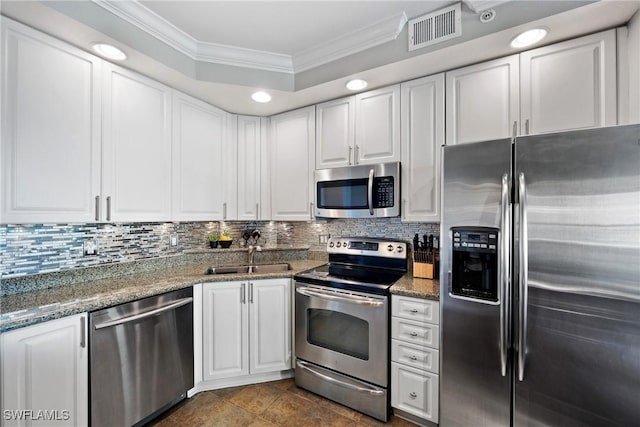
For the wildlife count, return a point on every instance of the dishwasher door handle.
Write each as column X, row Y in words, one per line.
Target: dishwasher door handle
column 127, row 319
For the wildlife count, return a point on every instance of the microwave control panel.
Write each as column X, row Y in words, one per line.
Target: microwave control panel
column 383, row 192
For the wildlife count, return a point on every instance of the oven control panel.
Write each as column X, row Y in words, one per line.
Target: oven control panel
column 367, row 247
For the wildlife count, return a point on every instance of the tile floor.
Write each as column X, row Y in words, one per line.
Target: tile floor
column 278, row 403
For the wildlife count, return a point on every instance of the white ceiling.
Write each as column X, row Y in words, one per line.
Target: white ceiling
column 192, row 45
column 284, row 27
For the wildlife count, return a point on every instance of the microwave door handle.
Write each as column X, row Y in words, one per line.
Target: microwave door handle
column 370, row 191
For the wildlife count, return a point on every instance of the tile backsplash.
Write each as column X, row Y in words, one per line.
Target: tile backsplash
column 40, row 248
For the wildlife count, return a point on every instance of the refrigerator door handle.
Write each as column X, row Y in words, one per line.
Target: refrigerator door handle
column 503, row 280
column 523, row 268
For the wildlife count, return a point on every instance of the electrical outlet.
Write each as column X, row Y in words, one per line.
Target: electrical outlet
column 90, row 247
column 173, row 240
column 323, row 238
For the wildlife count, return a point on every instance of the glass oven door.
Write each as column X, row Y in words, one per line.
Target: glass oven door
column 344, row 331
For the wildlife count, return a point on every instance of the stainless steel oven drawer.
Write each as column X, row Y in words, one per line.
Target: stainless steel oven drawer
column 364, row 397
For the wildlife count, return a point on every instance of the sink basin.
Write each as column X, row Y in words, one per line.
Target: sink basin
column 245, row 269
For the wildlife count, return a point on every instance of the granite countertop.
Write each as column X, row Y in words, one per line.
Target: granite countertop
column 418, row 288
column 47, row 304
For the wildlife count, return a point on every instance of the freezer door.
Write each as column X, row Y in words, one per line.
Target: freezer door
column 474, row 329
column 578, row 299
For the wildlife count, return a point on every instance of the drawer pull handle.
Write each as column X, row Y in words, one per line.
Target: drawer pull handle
column 413, row 357
column 413, row 334
column 413, row 395
column 414, row 310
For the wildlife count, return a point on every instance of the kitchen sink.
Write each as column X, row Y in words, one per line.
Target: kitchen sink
column 245, row 269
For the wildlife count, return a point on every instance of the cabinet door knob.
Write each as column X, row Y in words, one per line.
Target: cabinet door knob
column 414, row 310
column 413, row 395
column 413, row 334
column 413, row 357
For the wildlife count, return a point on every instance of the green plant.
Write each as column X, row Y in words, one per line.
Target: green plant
column 214, row 237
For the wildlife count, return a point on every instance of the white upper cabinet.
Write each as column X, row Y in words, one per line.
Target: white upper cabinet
column 51, row 110
column 201, row 175
column 482, row 101
column 249, row 168
column 335, row 133
column 422, row 138
column 563, row 86
column 569, row 85
column 378, row 126
column 292, row 153
column 136, row 147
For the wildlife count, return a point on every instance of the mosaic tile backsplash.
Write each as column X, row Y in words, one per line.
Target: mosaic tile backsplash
column 42, row 248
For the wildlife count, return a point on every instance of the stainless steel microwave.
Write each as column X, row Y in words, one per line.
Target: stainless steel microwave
column 366, row 191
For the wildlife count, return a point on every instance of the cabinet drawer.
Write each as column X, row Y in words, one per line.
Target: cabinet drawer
column 414, row 391
column 415, row 332
column 415, row 309
column 414, row 355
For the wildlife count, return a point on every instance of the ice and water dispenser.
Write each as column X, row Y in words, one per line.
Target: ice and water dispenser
column 474, row 263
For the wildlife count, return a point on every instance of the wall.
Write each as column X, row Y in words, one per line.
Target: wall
column 41, row 248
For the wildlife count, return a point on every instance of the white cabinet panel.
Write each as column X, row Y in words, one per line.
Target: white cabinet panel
column 136, row 147
column 415, row 363
column 417, row 356
column 482, row 101
column 422, row 137
column 415, row 391
column 51, row 108
column 378, row 126
column 292, row 153
column 200, row 173
column 249, row 168
column 246, row 328
column 45, row 368
column 569, row 85
column 270, row 325
column 335, row 133
column 417, row 309
column 225, row 329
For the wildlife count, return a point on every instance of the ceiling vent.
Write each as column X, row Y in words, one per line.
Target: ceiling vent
column 435, row 27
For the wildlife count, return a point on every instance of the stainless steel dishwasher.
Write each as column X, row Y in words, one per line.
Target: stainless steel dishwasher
column 141, row 357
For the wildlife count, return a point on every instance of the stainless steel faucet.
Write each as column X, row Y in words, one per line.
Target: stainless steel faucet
column 252, row 252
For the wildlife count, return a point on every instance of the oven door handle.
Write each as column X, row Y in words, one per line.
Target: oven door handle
column 353, row 299
column 305, row 366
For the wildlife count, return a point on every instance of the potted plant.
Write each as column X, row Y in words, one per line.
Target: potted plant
column 213, row 240
column 225, row 240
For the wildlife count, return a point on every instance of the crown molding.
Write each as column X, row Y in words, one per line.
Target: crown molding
column 156, row 26
column 364, row 38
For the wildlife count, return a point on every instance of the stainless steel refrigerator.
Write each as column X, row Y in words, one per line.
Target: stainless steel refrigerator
column 540, row 280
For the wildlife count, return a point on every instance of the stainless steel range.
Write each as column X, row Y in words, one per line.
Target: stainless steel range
column 342, row 323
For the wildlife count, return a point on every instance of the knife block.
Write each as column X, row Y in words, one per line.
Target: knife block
column 424, row 270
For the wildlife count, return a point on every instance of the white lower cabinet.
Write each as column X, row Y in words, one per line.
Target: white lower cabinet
column 246, row 331
column 45, row 379
column 415, row 358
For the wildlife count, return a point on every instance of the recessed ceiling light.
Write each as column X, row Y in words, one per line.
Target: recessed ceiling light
column 109, row 51
column 261, row 97
column 356, row 84
column 529, row 37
